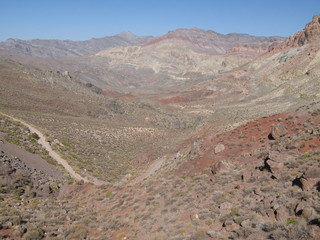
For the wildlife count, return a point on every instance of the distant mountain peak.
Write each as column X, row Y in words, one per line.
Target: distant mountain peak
column 127, row 35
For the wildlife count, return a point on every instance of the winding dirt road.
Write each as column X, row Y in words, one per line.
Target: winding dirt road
column 155, row 166
column 55, row 155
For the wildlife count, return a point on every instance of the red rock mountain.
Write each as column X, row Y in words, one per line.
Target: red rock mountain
column 311, row 33
column 209, row 41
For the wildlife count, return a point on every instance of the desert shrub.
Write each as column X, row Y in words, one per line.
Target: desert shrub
column 34, row 136
column 302, row 145
column 66, row 144
column 14, row 219
column 299, row 231
column 34, row 234
column 316, row 112
column 108, row 194
column 292, row 221
column 269, row 227
column 307, row 155
column 199, row 235
column 112, row 224
column 121, row 236
column 77, row 232
column 53, row 186
column 12, row 140
column 234, row 211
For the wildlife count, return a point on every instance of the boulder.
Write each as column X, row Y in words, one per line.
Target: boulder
column 282, row 214
column 276, row 168
column 226, row 206
column 308, row 213
column 219, row 148
column 274, row 162
column 312, row 173
column 277, row 131
column 221, row 166
column 246, row 223
column 66, row 74
column 228, row 222
column 310, row 178
column 212, row 234
column 233, row 227
column 271, row 215
column 300, row 207
column 246, row 176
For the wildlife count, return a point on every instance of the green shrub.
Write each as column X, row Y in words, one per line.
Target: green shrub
column 234, row 211
column 34, row 136
column 307, row 155
column 66, row 144
column 12, row 140
column 108, row 194
column 292, row 221
column 53, row 186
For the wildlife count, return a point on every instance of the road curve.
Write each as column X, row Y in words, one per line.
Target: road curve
column 155, row 166
column 55, row 155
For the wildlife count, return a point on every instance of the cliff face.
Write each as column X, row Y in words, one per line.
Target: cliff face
column 309, row 34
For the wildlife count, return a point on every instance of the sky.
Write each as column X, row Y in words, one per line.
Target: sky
column 86, row 19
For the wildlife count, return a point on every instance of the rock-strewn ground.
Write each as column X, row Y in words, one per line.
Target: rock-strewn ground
column 264, row 184
column 25, row 167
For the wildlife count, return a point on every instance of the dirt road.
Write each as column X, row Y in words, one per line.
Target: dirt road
column 55, row 155
column 155, row 166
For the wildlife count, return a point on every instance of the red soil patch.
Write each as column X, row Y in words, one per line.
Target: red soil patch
column 242, row 141
column 7, row 234
column 176, row 99
column 128, row 96
column 310, row 145
column 110, row 93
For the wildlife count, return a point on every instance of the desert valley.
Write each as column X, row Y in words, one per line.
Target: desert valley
column 188, row 135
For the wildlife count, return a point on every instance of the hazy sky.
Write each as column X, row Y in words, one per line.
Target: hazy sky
column 85, row 19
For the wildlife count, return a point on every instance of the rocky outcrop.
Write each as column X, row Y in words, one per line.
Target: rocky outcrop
column 311, row 33
column 16, row 177
column 219, row 148
column 277, row 131
column 257, row 48
column 310, row 179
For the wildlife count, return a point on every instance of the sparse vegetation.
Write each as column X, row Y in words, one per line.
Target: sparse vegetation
column 19, row 135
column 197, row 192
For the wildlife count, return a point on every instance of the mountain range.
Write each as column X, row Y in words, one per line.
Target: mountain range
column 126, row 62
column 65, row 48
